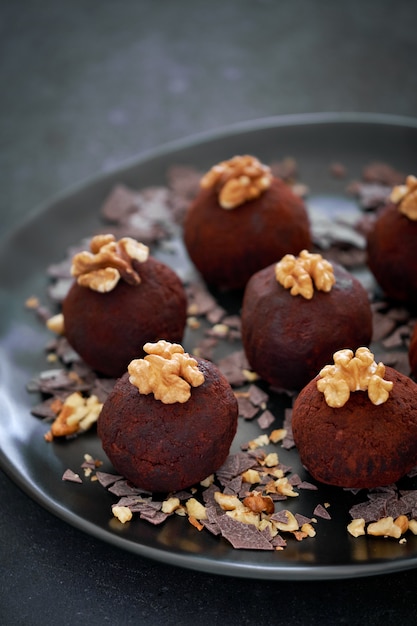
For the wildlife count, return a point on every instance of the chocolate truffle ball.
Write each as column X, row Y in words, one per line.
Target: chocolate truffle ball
column 359, row 445
column 109, row 329
column 289, row 338
column 392, row 245
column 228, row 245
column 412, row 353
column 163, row 447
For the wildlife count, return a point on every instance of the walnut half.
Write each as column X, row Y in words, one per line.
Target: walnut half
column 304, row 273
column 405, row 196
column 108, row 262
column 349, row 373
column 167, row 371
column 238, row 180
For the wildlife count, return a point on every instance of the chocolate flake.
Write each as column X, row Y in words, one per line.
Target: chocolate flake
column 242, row 536
column 265, row 420
column 106, row 479
column 71, row 476
column 321, row 511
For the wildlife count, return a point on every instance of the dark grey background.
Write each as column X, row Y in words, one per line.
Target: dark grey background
column 88, row 84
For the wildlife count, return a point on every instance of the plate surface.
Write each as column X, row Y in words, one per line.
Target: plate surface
column 315, row 141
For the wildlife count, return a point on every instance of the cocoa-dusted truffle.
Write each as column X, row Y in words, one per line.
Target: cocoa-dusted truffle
column 122, row 298
column 355, row 424
column 169, row 422
column 392, row 244
column 242, row 220
column 296, row 313
column 412, row 353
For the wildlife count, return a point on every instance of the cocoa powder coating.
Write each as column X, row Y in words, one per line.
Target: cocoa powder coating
column 392, row 254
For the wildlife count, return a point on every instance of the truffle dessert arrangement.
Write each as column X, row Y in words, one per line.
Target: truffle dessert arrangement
column 169, row 421
column 297, row 312
column 355, row 423
column 121, row 298
column 243, row 219
column 392, row 249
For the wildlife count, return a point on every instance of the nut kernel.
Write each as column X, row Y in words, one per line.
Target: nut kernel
column 123, row 513
column 167, row 371
column 238, row 180
column 357, row 527
column 304, row 273
column 196, row 509
column 56, row 324
column 258, row 503
column 227, row 502
column 385, row 527
column 76, row 414
column 108, row 262
column 405, row 196
column 353, row 373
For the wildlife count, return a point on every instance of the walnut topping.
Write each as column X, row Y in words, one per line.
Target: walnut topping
column 167, row 371
column 108, row 262
column 353, row 373
column 405, row 196
column 301, row 274
column 238, row 180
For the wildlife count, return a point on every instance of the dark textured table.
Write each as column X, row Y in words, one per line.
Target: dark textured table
column 86, row 85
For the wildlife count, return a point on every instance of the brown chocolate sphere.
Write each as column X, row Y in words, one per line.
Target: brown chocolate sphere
column 108, row 330
column 228, row 246
column 288, row 339
column 166, row 447
column 392, row 254
column 359, row 445
column 412, row 353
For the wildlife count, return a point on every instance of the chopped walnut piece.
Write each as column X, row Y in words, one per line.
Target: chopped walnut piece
column 108, row 262
column 170, row 505
column 353, row 373
column 244, row 515
column 227, row 502
column 238, row 180
column 402, row 522
column 251, row 476
column 384, row 527
column 196, row 509
column 304, row 273
column 167, row 371
column 258, row 503
column 357, row 527
column 412, row 525
column 77, row 415
column 56, row 324
column 405, row 196
column 123, row 513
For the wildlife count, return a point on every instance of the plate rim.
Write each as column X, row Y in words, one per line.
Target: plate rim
column 205, row 136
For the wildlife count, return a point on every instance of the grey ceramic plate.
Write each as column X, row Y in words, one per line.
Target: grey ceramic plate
column 315, row 141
